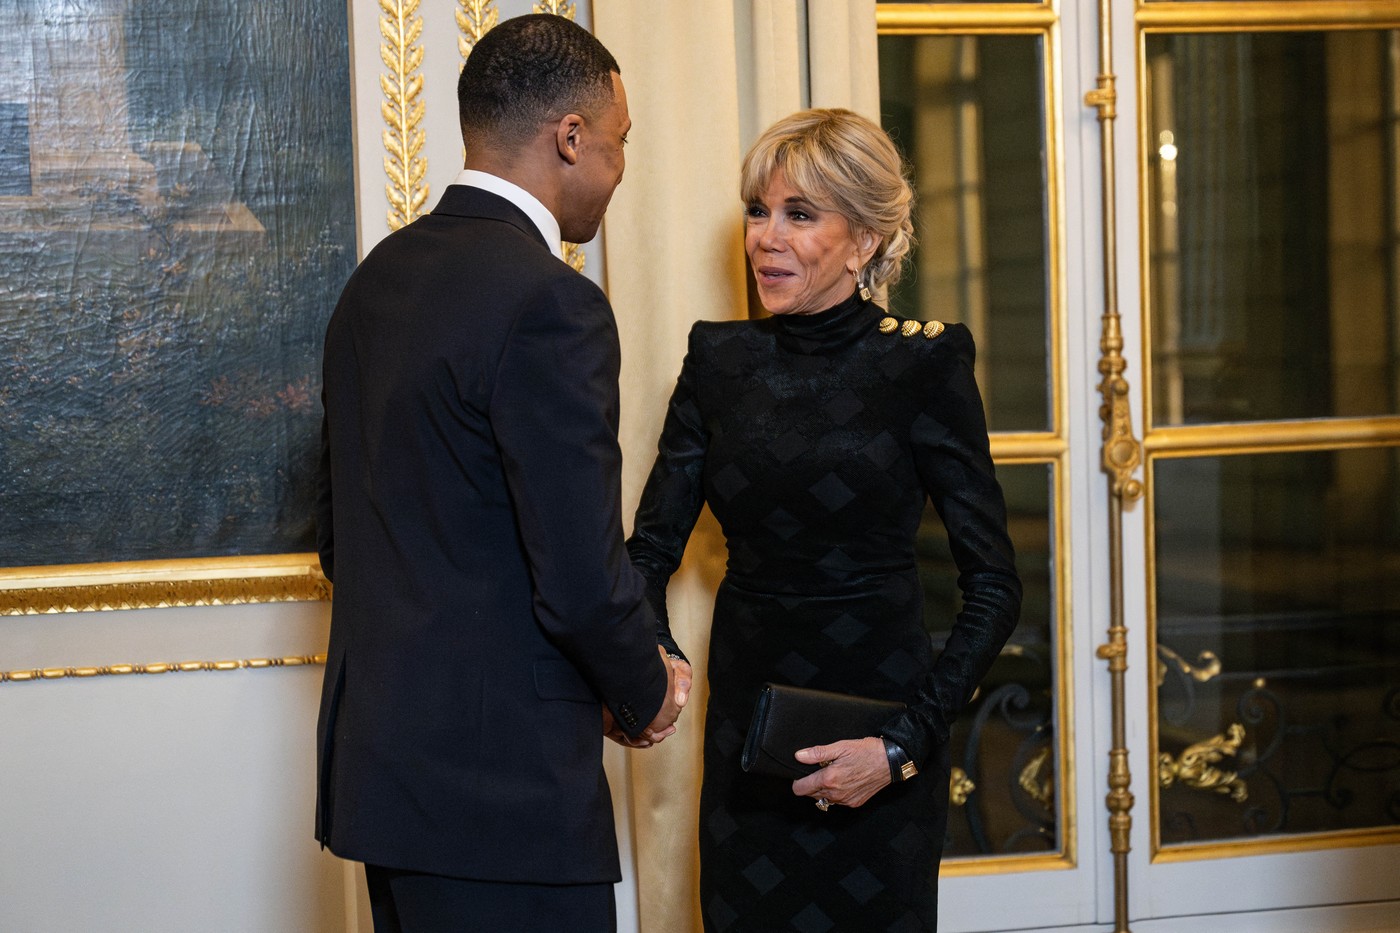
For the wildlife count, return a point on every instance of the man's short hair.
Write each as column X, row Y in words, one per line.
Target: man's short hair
column 530, row 70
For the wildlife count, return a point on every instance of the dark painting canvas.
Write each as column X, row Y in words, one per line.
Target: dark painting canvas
column 176, row 221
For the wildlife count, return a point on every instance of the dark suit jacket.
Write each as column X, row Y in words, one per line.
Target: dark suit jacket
column 469, row 518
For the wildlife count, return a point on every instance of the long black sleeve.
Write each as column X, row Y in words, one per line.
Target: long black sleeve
column 953, row 458
column 672, row 498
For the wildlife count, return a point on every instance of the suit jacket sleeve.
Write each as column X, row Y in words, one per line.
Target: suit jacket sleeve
column 953, row 457
column 554, row 411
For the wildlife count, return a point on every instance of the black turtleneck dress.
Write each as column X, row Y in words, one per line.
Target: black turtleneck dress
column 815, row 440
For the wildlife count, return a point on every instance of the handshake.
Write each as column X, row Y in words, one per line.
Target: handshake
column 678, row 678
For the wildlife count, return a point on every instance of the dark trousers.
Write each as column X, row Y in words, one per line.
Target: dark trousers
column 413, row 902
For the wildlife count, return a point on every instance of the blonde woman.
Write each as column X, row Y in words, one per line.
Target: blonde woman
column 816, row 435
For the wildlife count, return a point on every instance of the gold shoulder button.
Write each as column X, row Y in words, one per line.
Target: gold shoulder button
column 909, row 328
column 888, row 325
column 933, row 329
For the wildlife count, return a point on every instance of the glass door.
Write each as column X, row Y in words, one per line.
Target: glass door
column 971, row 95
column 1269, row 182
column 1253, row 242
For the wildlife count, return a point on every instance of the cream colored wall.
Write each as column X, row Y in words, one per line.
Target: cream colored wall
column 163, row 802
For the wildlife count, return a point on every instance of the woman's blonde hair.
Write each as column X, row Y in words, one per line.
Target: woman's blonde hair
column 845, row 163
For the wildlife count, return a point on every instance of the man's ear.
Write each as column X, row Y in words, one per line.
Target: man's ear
column 568, row 137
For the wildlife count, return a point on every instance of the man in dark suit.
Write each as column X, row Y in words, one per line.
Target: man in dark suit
column 487, row 628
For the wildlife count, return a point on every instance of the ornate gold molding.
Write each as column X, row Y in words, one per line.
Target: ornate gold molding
column 1122, row 453
column 111, row 670
column 1206, row 668
column 1040, row 788
column 157, row 584
column 475, row 18
column 402, row 109
column 960, row 787
column 573, row 255
column 564, row 8
column 1195, row 766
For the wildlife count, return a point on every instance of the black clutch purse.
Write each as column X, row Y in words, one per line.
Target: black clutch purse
column 788, row 718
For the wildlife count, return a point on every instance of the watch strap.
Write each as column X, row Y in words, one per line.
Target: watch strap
column 902, row 768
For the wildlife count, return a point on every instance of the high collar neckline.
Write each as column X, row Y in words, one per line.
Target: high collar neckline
column 826, row 330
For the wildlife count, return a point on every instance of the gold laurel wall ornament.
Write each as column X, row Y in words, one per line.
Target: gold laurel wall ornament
column 475, row 18
column 1195, row 766
column 573, row 255
column 402, row 108
column 562, row 8
column 176, row 667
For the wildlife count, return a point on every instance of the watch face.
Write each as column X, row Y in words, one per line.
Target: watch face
column 907, row 770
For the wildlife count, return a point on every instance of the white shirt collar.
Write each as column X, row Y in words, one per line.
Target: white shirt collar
column 539, row 214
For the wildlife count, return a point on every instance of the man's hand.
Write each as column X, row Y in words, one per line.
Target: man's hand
column 678, row 680
column 614, row 732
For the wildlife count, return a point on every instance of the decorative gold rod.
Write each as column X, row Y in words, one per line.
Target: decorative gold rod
column 175, row 667
column 1121, row 456
column 402, row 109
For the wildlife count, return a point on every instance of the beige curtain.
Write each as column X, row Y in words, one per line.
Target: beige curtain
column 703, row 79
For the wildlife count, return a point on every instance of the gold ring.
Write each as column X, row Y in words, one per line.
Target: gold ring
column 823, row 804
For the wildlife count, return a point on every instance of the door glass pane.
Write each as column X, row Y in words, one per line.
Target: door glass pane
column 1003, row 746
column 1278, row 643
column 1273, row 225
column 968, row 113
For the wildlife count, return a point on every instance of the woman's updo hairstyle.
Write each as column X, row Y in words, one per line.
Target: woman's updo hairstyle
column 842, row 162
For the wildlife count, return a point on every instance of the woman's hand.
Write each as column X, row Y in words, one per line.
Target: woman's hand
column 855, row 769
